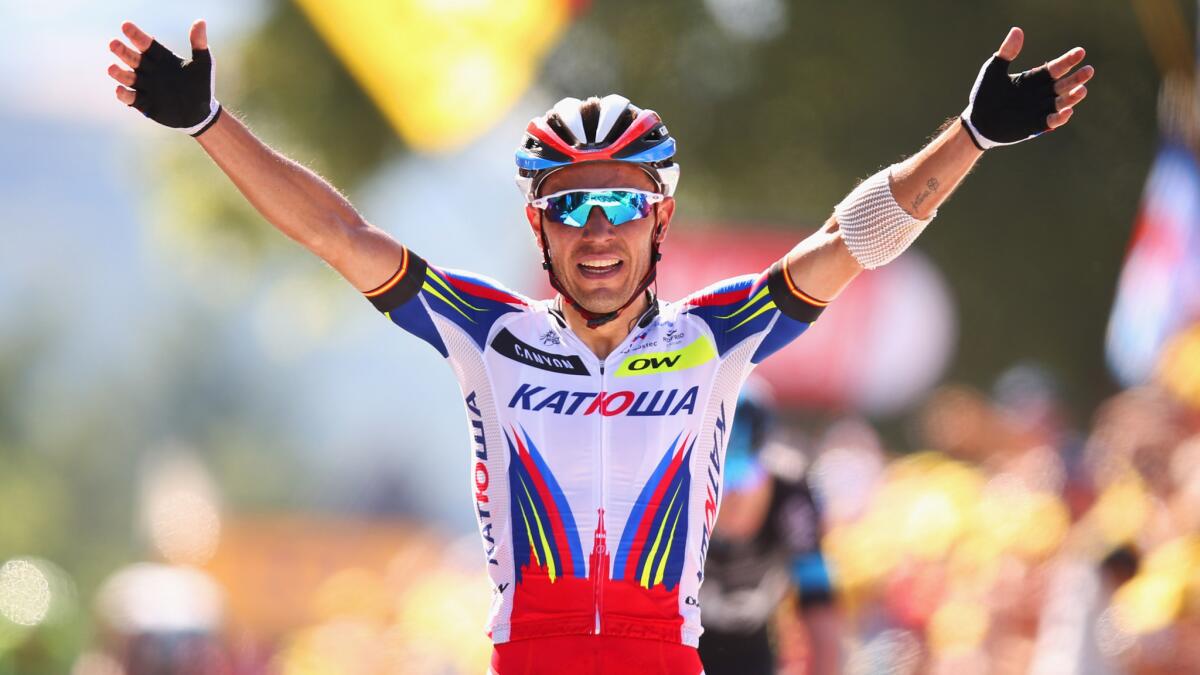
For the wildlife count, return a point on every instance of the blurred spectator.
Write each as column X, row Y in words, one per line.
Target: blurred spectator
column 163, row 620
column 168, row 618
column 766, row 548
column 1131, row 562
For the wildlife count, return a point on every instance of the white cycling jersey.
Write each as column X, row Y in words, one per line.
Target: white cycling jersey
column 596, row 482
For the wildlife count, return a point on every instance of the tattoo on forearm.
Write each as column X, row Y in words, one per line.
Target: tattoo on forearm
column 931, row 187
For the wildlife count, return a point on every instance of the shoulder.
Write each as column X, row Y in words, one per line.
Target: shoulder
column 721, row 294
column 765, row 305
column 475, row 286
column 429, row 301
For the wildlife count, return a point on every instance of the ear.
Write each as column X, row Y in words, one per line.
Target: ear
column 534, row 216
column 666, row 211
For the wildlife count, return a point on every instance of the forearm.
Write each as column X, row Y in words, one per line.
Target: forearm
column 822, row 265
column 924, row 181
column 883, row 216
column 301, row 204
column 824, row 640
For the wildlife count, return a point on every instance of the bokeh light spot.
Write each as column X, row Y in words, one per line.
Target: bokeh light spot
column 24, row 593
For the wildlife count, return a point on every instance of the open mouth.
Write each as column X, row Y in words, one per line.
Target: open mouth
column 600, row 269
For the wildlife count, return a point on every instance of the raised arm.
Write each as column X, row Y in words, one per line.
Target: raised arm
column 291, row 197
column 884, row 214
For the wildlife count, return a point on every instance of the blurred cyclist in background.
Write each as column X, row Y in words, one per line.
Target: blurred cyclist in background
column 598, row 419
column 767, row 548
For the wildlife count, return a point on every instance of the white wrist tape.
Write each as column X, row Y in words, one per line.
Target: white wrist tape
column 874, row 226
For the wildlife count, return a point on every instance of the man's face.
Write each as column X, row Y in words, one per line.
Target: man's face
column 601, row 265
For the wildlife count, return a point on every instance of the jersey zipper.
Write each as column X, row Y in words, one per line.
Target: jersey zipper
column 600, row 543
column 599, row 556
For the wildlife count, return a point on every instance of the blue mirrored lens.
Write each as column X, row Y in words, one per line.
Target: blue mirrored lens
column 619, row 206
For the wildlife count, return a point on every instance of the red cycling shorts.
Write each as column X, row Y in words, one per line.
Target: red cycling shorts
column 594, row 655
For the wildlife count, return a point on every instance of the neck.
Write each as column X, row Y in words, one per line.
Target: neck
column 602, row 340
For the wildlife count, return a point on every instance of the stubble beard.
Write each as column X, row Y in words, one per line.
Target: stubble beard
column 600, row 300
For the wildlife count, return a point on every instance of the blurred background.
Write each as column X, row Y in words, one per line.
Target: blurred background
column 214, row 453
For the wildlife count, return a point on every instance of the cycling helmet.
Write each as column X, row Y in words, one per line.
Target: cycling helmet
column 598, row 129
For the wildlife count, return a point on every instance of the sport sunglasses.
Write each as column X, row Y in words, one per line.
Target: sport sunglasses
column 620, row 205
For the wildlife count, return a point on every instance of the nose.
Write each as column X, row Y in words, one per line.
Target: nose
column 598, row 225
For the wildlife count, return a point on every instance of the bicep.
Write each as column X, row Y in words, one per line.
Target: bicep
column 821, row 265
column 365, row 255
column 420, row 297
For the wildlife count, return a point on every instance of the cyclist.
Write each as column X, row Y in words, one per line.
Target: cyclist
column 598, row 419
column 767, row 547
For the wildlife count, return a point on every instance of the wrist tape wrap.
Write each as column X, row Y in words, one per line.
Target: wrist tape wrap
column 874, row 226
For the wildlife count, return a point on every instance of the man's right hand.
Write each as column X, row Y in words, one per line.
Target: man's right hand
column 167, row 89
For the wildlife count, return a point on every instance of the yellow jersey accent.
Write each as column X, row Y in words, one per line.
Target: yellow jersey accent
column 699, row 352
column 542, row 534
column 746, row 305
column 434, row 292
column 662, row 563
column 657, row 540
column 451, row 291
column 764, row 308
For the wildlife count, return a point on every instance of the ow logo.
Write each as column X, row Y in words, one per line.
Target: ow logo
column 699, row 352
column 654, row 362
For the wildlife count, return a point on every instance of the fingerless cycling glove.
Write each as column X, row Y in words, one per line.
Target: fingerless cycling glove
column 1006, row 109
column 177, row 93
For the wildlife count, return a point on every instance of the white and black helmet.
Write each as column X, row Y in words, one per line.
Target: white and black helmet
column 596, row 129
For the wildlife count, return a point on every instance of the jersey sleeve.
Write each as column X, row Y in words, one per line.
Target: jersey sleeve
column 426, row 301
column 766, row 306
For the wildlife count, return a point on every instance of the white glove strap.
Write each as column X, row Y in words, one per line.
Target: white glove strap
column 213, row 108
column 981, row 141
column 874, row 226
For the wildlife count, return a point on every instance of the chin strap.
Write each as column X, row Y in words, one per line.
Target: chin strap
column 594, row 319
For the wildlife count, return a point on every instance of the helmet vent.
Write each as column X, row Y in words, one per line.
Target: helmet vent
column 590, row 112
column 620, row 125
column 560, row 128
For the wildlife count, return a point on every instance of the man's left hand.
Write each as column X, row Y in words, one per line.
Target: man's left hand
column 1005, row 109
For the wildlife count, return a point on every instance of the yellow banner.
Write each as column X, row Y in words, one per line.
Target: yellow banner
column 442, row 71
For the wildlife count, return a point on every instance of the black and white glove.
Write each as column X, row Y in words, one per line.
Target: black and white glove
column 1006, row 109
column 177, row 93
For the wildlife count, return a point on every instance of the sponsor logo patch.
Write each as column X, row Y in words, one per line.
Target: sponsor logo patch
column 697, row 353
column 508, row 345
column 712, row 492
column 482, row 480
column 658, row 403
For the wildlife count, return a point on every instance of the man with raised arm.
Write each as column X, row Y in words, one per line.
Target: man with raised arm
column 598, row 419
